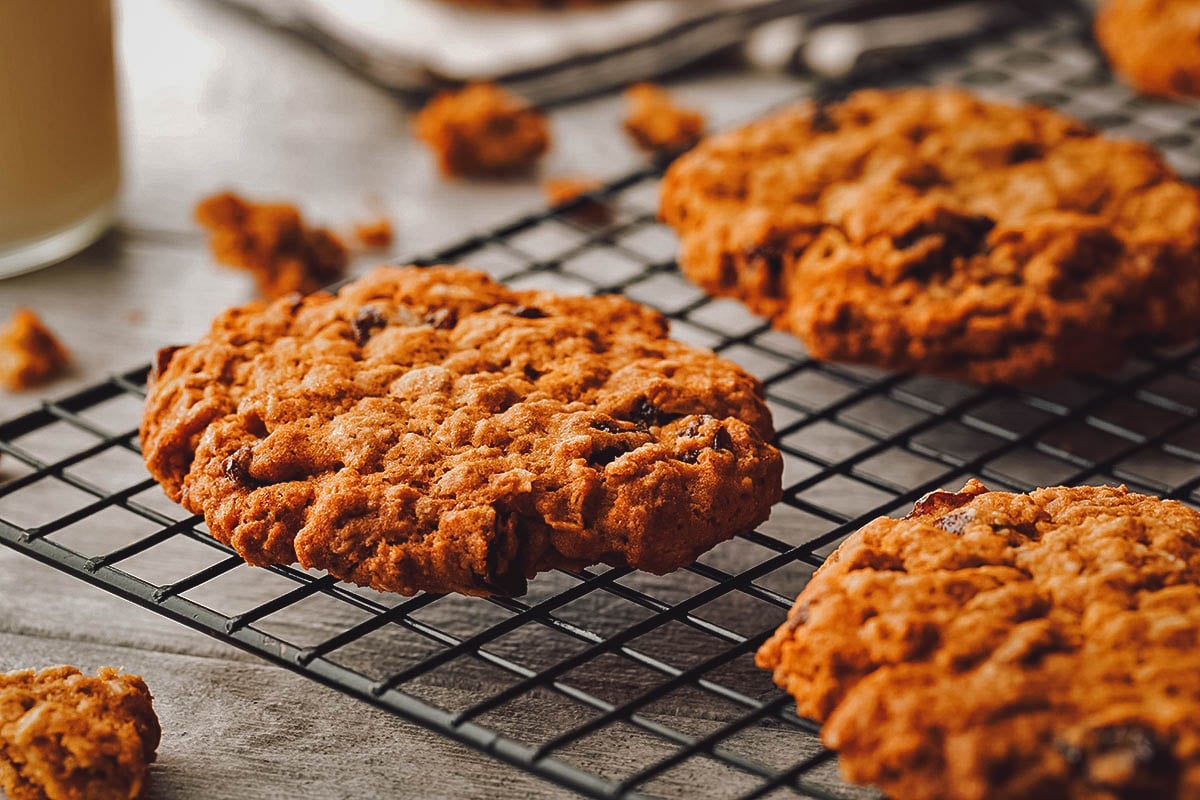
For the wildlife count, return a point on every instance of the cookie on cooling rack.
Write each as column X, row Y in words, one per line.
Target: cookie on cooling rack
column 1154, row 44
column 429, row 429
column 928, row 230
column 66, row 735
column 1004, row 646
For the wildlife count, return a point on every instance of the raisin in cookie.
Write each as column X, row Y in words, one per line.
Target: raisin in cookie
column 996, row 645
column 927, row 230
column 1154, row 44
column 66, row 735
column 428, row 429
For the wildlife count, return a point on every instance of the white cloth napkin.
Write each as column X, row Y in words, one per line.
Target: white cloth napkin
column 415, row 45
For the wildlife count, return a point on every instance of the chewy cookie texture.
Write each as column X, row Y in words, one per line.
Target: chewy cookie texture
column 1041, row 646
column 272, row 242
column 429, row 429
column 928, row 230
column 67, row 736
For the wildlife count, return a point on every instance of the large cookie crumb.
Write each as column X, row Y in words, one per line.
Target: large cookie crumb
column 29, row 353
column 65, row 735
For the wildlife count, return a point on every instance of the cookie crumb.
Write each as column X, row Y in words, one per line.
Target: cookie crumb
column 483, row 131
column 377, row 234
column 29, row 353
column 273, row 242
column 64, row 734
column 931, row 230
column 657, row 124
column 1154, row 46
column 565, row 189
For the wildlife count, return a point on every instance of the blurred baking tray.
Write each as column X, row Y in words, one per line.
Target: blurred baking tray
column 413, row 47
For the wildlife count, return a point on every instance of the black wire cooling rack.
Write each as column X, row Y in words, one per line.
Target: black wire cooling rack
column 609, row 682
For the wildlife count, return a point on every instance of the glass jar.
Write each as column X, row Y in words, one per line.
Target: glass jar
column 59, row 148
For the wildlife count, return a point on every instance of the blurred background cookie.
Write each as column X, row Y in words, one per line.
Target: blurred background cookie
column 1153, row 44
column 929, row 230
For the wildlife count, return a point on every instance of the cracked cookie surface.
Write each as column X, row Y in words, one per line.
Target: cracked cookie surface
column 996, row 645
column 429, row 429
column 928, row 230
column 65, row 735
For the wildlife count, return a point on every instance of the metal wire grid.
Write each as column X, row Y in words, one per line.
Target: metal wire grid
column 605, row 681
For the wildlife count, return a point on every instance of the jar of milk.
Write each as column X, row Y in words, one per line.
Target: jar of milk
column 59, row 150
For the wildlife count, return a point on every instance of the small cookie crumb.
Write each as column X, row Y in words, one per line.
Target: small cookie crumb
column 589, row 211
column 66, row 735
column 377, row 234
column 29, row 353
column 272, row 242
column 927, row 229
column 656, row 124
column 483, row 130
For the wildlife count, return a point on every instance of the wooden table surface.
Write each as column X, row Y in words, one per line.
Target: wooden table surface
column 211, row 100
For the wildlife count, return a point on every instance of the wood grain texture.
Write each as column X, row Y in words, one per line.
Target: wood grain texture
column 210, row 101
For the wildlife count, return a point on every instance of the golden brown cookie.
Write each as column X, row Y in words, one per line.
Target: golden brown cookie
column 483, row 130
column 429, row 429
column 927, row 230
column 547, row 5
column 1154, row 44
column 29, row 353
column 1041, row 646
column 66, row 736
